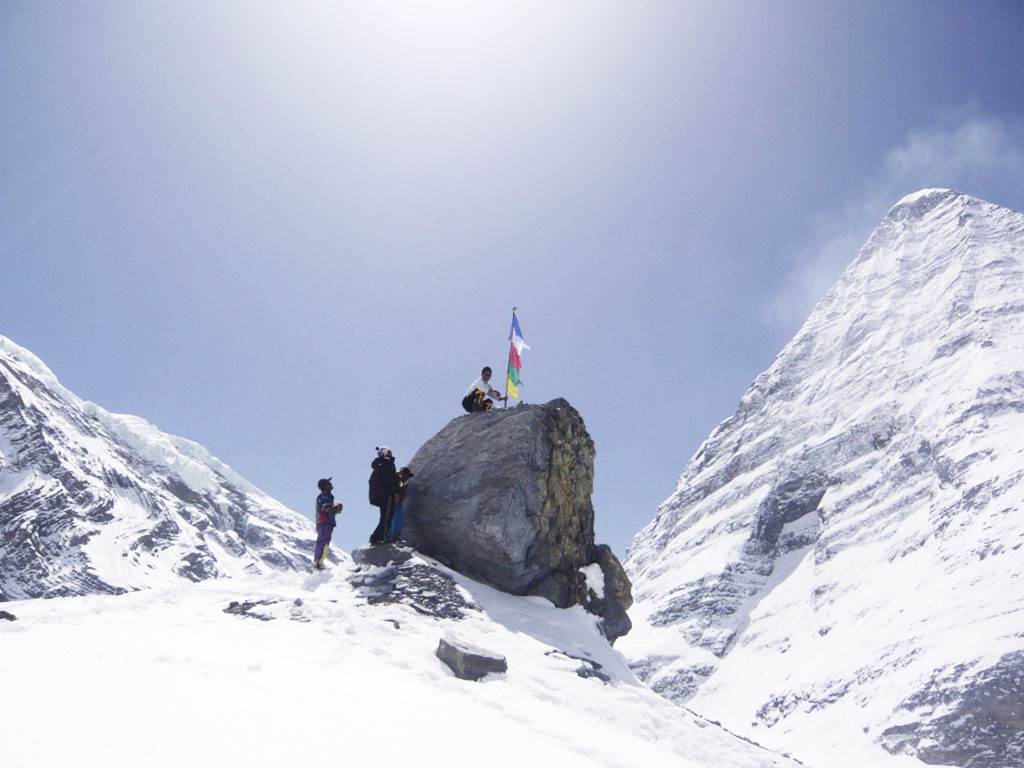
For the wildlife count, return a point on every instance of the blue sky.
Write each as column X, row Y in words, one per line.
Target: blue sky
column 292, row 232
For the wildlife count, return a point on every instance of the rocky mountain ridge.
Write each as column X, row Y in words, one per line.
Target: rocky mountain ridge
column 94, row 502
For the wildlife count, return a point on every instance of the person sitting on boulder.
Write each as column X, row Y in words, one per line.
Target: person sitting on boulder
column 478, row 395
column 398, row 518
column 327, row 510
column 385, row 492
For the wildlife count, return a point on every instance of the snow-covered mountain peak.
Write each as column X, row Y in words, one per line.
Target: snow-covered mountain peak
column 14, row 354
column 861, row 506
column 923, row 196
column 92, row 501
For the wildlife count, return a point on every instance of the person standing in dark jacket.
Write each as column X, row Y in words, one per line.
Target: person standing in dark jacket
column 326, row 512
column 384, row 491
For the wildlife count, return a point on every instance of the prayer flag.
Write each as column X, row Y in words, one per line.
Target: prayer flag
column 515, row 363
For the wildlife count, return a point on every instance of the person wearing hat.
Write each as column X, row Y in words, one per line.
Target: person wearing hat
column 398, row 519
column 327, row 510
column 384, row 492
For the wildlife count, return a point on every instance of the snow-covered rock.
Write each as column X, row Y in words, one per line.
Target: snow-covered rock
column 839, row 568
column 95, row 502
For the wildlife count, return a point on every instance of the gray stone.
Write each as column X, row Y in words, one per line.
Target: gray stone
column 589, row 668
column 374, row 577
column 504, row 497
column 469, row 662
column 593, row 670
column 617, row 599
column 5, row 616
column 380, row 555
column 411, row 582
column 247, row 609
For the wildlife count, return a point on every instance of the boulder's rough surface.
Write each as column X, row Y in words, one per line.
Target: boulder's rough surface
column 504, row 497
column 469, row 662
column 615, row 599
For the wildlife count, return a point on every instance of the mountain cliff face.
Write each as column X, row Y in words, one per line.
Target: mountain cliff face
column 839, row 568
column 93, row 502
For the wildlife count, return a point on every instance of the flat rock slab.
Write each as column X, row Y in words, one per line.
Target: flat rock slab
column 381, row 555
column 469, row 662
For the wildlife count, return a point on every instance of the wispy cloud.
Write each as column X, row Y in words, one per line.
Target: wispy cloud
column 966, row 149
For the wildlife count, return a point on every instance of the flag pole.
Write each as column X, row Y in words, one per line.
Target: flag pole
column 508, row 371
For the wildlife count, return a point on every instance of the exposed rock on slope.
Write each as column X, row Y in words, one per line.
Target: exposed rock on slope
column 504, row 497
column 843, row 555
column 94, row 502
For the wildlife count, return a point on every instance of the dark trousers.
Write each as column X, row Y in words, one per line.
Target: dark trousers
column 387, row 510
column 476, row 401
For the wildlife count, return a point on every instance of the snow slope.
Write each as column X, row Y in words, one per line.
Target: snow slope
column 838, row 571
column 166, row 677
column 92, row 501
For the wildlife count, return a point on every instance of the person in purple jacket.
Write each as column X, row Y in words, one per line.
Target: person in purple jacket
column 327, row 510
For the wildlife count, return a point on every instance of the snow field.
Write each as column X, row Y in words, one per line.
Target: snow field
column 167, row 677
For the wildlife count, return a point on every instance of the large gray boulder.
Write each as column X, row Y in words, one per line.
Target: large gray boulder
column 504, row 497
